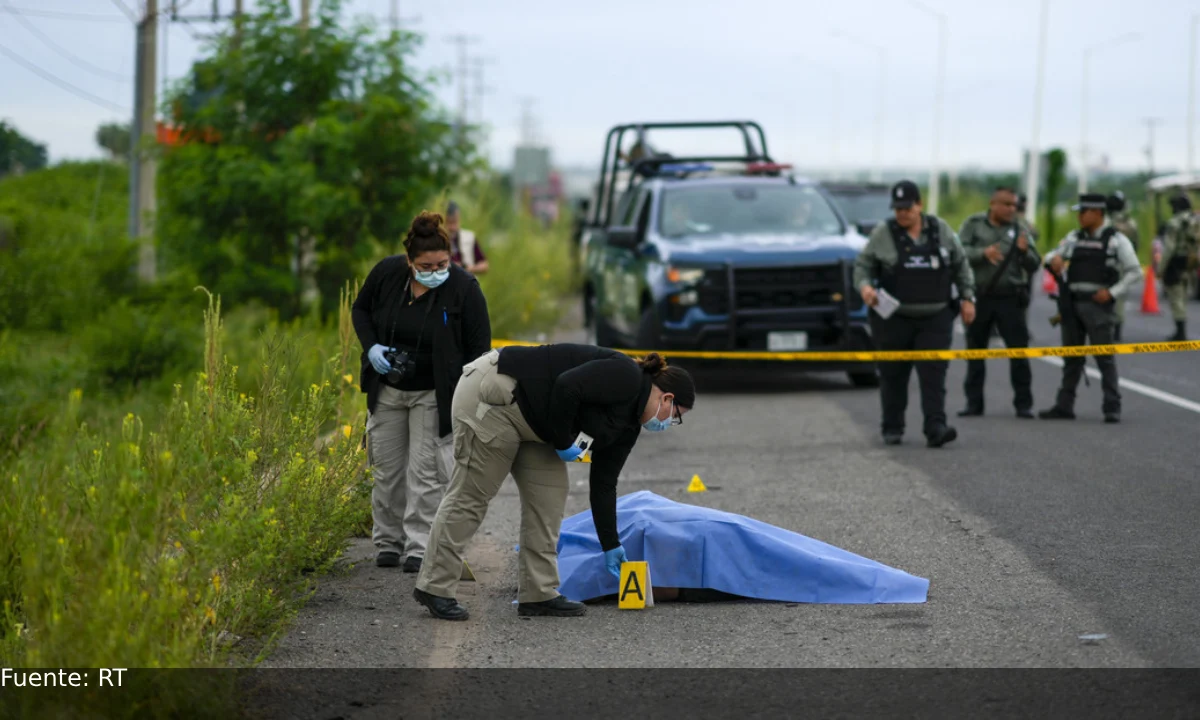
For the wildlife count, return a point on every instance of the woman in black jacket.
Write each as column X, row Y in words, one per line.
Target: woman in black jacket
column 527, row 410
column 420, row 319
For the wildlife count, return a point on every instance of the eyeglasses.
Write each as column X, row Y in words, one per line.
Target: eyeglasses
column 677, row 419
column 432, row 267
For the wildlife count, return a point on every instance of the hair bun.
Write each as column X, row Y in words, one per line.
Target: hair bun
column 653, row 363
column 427, row 223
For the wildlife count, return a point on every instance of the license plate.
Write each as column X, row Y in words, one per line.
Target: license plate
column 787, row 341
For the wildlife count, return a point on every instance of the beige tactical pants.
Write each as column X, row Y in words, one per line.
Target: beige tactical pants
column 492, row 439
column 411, row 468
column 1177, row 297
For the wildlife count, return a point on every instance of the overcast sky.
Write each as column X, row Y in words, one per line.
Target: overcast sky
column 589, row 65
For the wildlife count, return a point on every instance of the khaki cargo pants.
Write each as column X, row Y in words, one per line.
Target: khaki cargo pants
column 492, row 439
column 411, row 467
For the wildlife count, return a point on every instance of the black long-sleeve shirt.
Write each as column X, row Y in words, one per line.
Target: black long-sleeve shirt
column 458, row 325
column 566, row 389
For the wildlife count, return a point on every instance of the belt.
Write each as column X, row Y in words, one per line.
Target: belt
column 1081, row 295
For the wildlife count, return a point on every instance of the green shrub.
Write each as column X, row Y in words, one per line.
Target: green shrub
column 66, row 255
column 150, row 544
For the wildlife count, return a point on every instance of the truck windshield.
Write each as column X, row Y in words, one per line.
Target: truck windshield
column 864, row 207
column 746, row 209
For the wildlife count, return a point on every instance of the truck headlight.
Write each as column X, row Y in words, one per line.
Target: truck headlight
column 685, row 276
column 688, row 297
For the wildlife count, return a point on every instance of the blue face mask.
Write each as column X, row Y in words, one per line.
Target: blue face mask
column 433, row 279
column 656, row 425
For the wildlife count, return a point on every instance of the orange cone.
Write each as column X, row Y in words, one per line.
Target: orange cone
column 1149, row 294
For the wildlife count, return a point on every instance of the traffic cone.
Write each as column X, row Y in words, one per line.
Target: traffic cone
column 1149, row 294
column 1049, row 285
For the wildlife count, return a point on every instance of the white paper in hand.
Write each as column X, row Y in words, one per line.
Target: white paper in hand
column 886, row 304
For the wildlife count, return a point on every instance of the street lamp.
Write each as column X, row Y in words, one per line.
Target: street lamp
column 1191, row 108
column 1033, row 171
column 1083, row 117
column 877, row 168
column 934, row 168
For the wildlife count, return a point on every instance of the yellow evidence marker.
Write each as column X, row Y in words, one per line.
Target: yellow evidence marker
column 467, row 575
column 636, row 591
column 696, row 485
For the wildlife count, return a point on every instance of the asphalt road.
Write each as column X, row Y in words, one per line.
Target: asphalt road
column 1031, row 532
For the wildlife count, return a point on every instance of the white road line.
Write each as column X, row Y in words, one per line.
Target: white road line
column 1136, row 387
column 1130, row 385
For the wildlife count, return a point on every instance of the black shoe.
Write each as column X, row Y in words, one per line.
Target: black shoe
column 892, row 439
column 1112, row 418
column 412, row 564
column 941, row 436
column 440, row 607
column 1057, row 413
column 557, row 607
column 387, row 558
column 970, row 412
column 1025, row 413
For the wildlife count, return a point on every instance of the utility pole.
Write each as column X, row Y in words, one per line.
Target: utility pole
column 462, row 41
column 1150, row 124
column 142, row 167
column 305, row 13
column 478, row 64
column 527, row 126
column 1034, row 172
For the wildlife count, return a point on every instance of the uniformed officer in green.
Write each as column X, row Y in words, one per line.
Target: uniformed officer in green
column 1098, row 264
column 1120, row 218
column 915, row 258
column 1002, row 258
column 1178, row 259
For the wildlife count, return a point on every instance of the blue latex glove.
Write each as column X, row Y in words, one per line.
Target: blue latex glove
column 570, row 454
column 613, row 559
column 378, row 361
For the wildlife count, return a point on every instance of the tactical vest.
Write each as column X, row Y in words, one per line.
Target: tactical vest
column 921, row 275
column 1089, row 260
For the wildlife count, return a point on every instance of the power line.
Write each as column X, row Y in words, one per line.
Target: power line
column 63, row 51
column 62, row 15
column 126, row 9
column 61, row 83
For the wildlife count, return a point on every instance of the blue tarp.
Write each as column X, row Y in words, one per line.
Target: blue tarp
column 696, row 547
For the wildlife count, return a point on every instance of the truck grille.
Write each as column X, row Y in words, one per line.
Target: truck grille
column 774, row 289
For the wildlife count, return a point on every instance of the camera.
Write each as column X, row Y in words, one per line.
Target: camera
column 402, row 364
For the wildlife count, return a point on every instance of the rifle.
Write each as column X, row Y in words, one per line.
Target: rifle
column 1062, row 299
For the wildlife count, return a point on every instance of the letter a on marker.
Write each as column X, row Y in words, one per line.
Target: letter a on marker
column 635, row 586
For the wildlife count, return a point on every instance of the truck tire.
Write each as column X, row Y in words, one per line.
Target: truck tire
column 649, row 333
column 864, row 379
column 598, row 330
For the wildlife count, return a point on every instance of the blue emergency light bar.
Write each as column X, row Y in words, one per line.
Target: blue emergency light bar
column 684, row 167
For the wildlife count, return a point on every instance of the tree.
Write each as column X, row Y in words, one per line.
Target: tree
column 19, row 154
column 1056, row 161
column 116, row 138
column 292, row 136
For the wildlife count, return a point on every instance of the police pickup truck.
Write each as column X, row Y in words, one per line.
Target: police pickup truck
column 719, row 253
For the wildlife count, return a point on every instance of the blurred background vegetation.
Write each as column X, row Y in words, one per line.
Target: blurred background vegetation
column 178, row 457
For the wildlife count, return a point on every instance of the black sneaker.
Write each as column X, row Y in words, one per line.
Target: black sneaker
column 440, row 607
column 387, row 558
column 892, row 439
column 557, row 607
column 412, row 564
column 941, row 436
column 1057, row 413
column 1112, row 418
column 971, row 412
column 1025, row 413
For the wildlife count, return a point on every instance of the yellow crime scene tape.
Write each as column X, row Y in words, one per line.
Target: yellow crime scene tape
column 902, row 355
